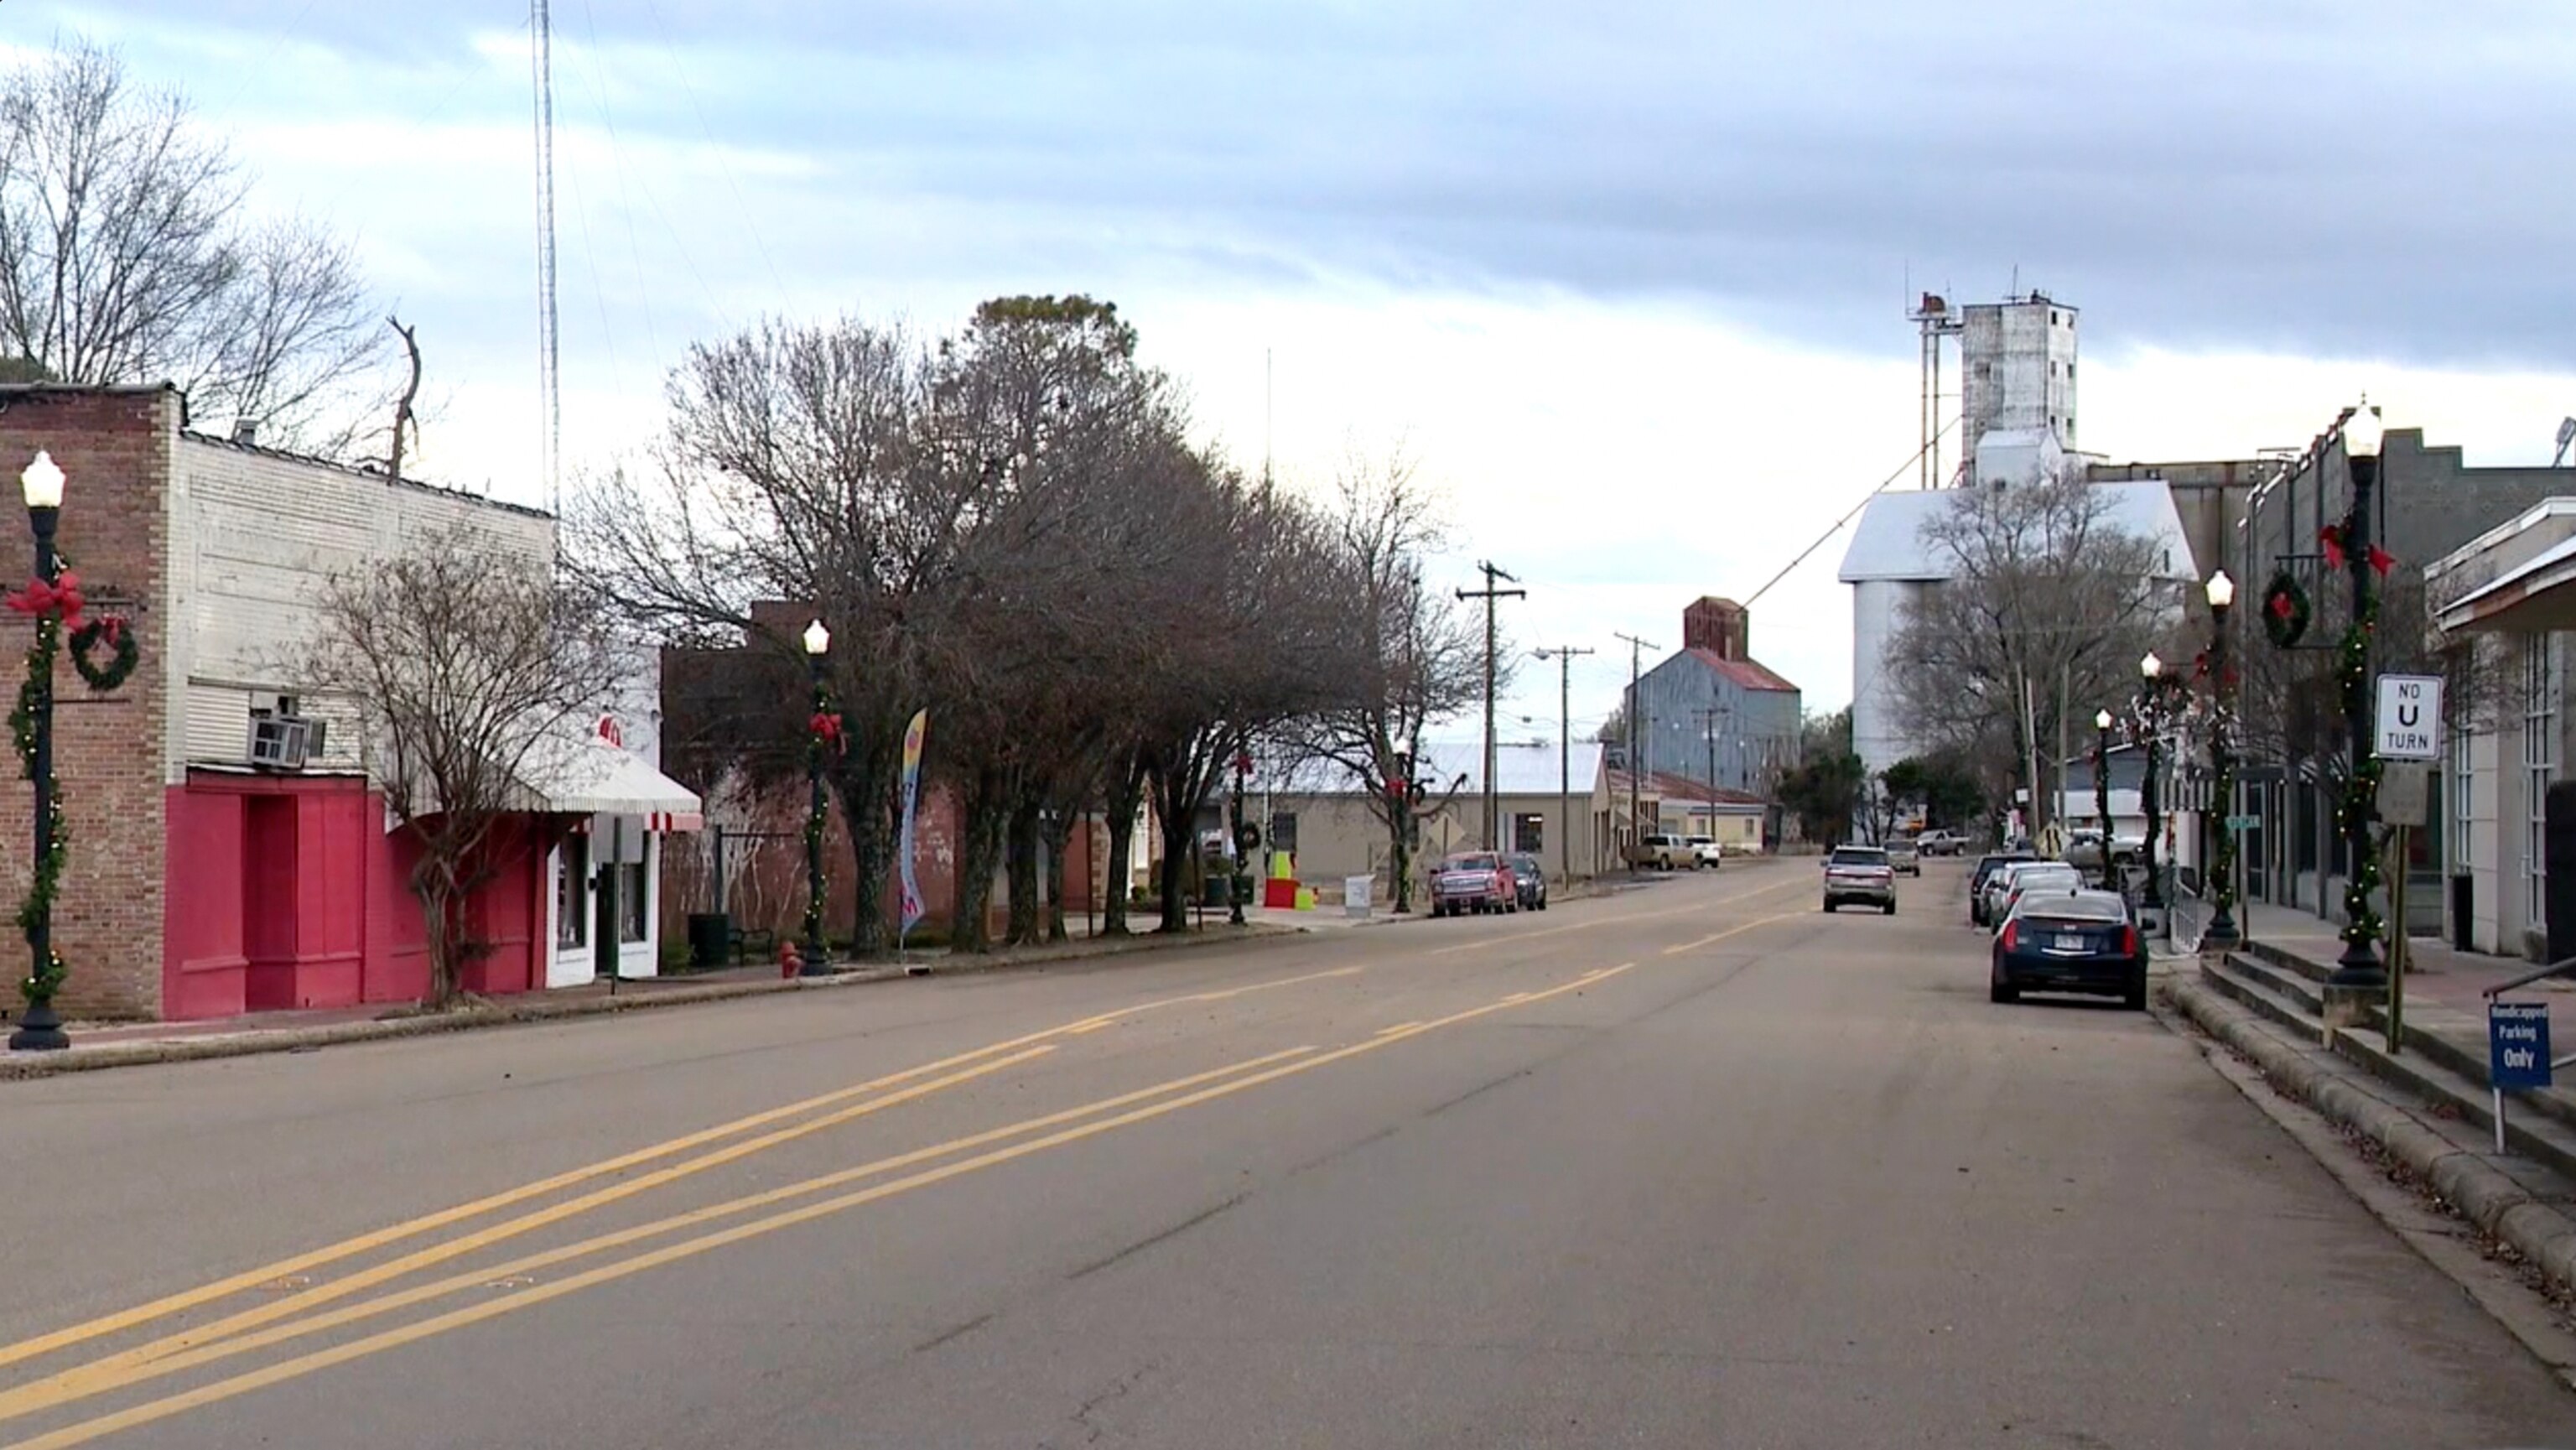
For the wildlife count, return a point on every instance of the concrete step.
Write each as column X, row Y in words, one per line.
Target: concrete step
column 2273, row 956
column 2455, row 1040
column 2435, row 1067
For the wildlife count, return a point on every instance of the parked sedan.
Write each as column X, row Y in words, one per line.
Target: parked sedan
column 1987, row 866
column 1478, row 881
column 1860, row 874
column 2083, row 941
column 1529, row 881
column 2002, row 887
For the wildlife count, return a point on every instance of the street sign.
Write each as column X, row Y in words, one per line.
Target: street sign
column 2243, row 823
column 2410, row 717
column 2405, row 788
column 2517, row 1045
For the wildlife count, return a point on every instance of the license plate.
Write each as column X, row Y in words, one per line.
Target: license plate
column 2070, row 943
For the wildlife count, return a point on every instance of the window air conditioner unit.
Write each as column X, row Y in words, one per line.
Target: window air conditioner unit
column 281, row 742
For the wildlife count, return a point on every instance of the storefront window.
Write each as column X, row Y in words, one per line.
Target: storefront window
column 572, row 893
column 2463, row 803
column 631, row 901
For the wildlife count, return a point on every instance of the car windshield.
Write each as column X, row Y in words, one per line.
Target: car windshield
column 1859, row 856
column 1525, row 865
column 1474, row 862
column 2029, row 877
column 2075, row 906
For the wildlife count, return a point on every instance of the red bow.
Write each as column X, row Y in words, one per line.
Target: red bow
column 2332, row 537
column 2381, row 561
column 826, row 726
column 2283, row 606
column 40, row 598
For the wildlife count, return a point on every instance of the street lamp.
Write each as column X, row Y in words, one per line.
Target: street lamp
column 39, row 1030
column 1240, row 884
column 2221, row 932
column 819, row 731
column 2150, row 711
column 2102, row 784
column 2359, row 968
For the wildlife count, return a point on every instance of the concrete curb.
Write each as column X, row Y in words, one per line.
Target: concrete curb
column 519, row 1013
column 2482, row 1193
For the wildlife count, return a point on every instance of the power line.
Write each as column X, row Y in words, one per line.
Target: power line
column 1884, row 485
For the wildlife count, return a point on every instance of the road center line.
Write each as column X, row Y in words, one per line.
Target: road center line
column 116, row 1372
column 224, row 1288
column 155, row 1410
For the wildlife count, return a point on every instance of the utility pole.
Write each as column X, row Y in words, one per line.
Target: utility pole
column 1636, row 710
column 1708, row 719
column 1564, row 657
column 1490, row 593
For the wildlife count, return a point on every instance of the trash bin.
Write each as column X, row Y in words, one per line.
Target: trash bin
column 1214, row 891
column 710, row 938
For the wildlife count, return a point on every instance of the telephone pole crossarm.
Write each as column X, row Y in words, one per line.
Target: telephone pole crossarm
column 1491, row 592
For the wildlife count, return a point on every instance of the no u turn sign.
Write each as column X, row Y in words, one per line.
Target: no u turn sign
column 2410, row 717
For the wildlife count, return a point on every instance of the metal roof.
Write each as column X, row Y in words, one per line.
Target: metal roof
column 1521, row 768
column 1889, row 544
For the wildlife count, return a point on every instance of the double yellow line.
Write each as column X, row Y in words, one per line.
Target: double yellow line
column 258, row 1328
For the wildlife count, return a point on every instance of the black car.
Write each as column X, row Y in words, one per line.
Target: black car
column 2076, row 941
column 1987, row 865
column 1530, row 879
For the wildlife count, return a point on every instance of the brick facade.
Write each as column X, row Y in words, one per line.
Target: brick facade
column 114, row 448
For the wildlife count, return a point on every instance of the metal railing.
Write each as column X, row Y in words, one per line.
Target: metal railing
column 2495, row 1095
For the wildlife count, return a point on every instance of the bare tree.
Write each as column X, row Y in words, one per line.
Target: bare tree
column 126, row 256
column 468, row 666
column 2047, row 610
column 1409, row 656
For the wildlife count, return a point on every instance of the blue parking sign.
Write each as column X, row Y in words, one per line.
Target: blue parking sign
column 2518, row 1044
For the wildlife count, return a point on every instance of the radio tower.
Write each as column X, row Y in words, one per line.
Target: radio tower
column 541, row 61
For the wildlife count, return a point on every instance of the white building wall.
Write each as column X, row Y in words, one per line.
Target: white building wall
column 2017, row 361
column 254, row 536
column 1879, row 608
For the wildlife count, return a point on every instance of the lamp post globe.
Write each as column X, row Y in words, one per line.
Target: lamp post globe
column 2221, row 590
column 42, row 482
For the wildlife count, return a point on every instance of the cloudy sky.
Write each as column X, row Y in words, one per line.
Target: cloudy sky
column 1626, row 279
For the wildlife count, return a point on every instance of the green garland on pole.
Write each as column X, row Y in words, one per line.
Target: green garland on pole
column 822, row 733
column 2359, row 804
column 40, row 984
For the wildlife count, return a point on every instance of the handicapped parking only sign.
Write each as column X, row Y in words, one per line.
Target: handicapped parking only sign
column 2518, row 1044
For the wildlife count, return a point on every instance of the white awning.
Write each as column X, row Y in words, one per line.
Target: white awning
column 2534, row 598
column 595, row 778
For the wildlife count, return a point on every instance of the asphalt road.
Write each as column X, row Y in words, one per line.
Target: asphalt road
column 1692, row 1166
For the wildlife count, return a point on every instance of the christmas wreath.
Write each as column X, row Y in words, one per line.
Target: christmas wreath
column 123, row 654
column 2286, row 610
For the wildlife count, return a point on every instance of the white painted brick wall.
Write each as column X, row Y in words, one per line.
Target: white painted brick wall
column 254, row 535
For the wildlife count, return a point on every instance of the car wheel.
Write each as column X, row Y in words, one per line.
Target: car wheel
column 1889, row 909
column 1829, row 903
column 2000, row 990
column 2135, row 999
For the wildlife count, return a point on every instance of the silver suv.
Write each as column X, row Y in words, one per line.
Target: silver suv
column 1860, row 875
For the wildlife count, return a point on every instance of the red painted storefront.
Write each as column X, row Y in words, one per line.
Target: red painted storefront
column 287, row 891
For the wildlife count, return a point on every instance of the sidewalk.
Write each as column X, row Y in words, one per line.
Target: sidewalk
column 2440, row 974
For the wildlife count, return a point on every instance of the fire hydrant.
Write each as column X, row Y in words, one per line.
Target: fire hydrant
column 790, row 962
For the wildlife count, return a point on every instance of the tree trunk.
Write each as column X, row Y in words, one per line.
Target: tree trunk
column 1022, row 857
column 1057, row 836
column 983, row 815
column 864, row 782
column 1399, row 859
column 1126, row 794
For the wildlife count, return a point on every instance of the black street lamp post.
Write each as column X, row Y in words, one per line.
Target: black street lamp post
column 39, row 1029
column 2221, row 933
column 2359, row 968
column 1240, row 885
column 2151, row 724
column 2102, row 784
column 820, row 732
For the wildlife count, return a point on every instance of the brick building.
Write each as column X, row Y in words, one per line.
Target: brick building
column 213, row 868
